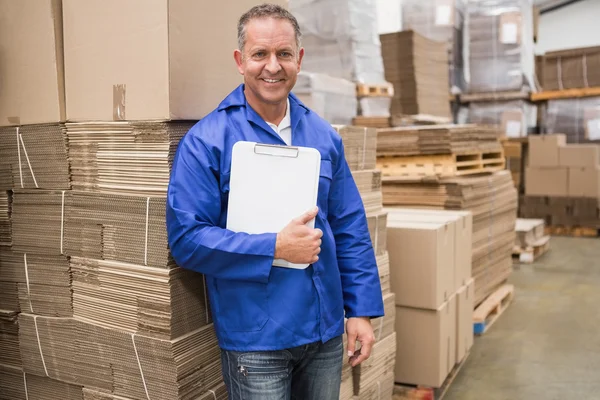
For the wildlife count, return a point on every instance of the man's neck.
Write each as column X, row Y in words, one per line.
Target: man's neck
column 272, row 113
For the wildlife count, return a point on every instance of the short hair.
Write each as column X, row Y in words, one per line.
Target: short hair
column 263, row 11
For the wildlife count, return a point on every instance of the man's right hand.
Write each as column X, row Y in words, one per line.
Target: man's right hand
column 297, row 243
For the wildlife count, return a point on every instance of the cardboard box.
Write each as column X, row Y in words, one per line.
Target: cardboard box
column 426, row 342
column 421, row 263
column 579, row 155
column 463, row 235
column 543, row 149
column 149, row 60
column 31, row 74
column 464, row 322
column 584, row 182
column 547, row 181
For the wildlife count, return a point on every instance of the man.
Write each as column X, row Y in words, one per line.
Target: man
column 279, row 328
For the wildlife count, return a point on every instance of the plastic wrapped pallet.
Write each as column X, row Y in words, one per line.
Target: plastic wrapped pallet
column 334, row 99
column 498, row 45
column 570, row 69
column 578, row 118
column 341, row 37
column 442, row 21
column 515, row 117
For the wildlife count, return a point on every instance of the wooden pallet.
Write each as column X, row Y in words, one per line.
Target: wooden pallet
column 371, row 122
column 364, row 90
column 413, row 392
column 419, row 119
column 398, row 168
column 565, row 94
column 533, row 253
column 575, row 231
column 494, row 96
column 491, row 308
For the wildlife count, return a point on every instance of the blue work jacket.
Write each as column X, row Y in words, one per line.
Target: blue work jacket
column 257, row 306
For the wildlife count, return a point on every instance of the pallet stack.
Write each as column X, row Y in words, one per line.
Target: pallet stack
column 563, row 183
column 531, row 241
column 501, row 65
column 93, row 305
column 374, row 379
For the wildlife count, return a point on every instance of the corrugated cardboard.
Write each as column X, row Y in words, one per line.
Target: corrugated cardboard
column 579, row 155
column 584, row 182
column 426, row 344
column 463, row 237
column 546, row 181
column 464, row 322
column 421, row 263
column 142, row 59
column 32, row 73
column 543, row 149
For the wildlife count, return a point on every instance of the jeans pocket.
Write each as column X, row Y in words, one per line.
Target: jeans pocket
column 264, row 364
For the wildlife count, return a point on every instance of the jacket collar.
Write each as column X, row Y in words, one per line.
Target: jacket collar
column 238, row 99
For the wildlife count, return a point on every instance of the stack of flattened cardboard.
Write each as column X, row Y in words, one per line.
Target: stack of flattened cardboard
column 12, row 382
column 34, row 156
column 218, row 393
column 38, row 387
column 515, row 118
column 117, row 227
column 435, row 139
column 163, row 303
column 5, row 229
column 418, row 69
column 571, row 69
column 493, row 201
column 11, row 274
column 123, row 157
column 374, row 376
column 577, row 118
column 122, row 362
column 9, row 345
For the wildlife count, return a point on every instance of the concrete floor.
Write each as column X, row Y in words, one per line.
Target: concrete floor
column 546, row 345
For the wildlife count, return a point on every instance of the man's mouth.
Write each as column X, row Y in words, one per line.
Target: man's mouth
column 272, row 80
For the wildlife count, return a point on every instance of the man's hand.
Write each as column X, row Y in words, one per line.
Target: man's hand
column 359, row 329
column 297, row 243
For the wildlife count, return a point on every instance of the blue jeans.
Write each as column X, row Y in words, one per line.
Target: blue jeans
column 309, row 372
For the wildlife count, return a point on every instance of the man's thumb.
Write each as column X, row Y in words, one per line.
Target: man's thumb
column 351, row 344
column 307, row 216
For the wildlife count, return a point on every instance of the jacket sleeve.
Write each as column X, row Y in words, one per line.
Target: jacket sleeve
column 193, row 212
column 356, row 259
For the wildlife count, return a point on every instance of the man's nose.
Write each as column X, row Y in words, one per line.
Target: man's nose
column 273, row 65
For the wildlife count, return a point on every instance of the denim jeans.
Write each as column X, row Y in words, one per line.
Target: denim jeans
column 309, row 372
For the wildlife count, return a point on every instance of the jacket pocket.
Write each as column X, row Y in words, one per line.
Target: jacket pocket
column 242, row 305
column 325, row 178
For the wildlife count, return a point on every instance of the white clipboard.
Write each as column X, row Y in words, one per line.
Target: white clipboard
column 269, row 186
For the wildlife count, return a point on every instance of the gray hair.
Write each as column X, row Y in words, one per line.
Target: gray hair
column 264, row 11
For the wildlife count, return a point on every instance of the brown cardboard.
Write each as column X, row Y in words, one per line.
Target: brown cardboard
column 579, row 155
column 31, row 73
column 546, row 181
column 543, row 149
column 584, row 182
column 145, row 60
column 464, row 321
column 421, row 263
column 463, row 237
column 426, row 343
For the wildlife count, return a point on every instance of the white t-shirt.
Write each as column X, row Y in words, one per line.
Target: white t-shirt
column 284, row 130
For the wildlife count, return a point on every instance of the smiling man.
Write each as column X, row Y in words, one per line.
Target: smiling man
column 279, row 329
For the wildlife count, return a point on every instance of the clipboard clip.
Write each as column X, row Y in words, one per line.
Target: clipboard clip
column 276, row 150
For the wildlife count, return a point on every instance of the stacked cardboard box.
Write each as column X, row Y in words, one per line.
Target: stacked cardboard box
column 333, row 99
column 570, row 69
column 578, row 118
column 375, row 376
column 349, row 49
column 499, row 45
column 441, row 21
column 417, row 67
column 514, row 117
column 516, row 152
column 560, row 177
column 430, row 269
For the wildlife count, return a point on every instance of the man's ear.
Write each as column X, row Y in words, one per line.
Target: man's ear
column 300, row 56
column 237, row 56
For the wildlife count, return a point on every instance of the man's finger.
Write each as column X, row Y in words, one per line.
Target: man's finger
column 307, row 216
column 365, row 351
column 354, row 361
column 351, row 344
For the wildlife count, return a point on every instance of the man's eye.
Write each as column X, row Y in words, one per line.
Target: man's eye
column 259, row 54
column 285, row 54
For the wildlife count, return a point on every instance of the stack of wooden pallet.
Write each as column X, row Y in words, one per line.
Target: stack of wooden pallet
column 531, row 241
column 375, row 377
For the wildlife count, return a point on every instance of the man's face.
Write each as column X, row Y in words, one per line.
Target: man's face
column 270, row 61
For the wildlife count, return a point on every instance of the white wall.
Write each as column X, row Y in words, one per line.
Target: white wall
column 575, row 25
column 389, row 16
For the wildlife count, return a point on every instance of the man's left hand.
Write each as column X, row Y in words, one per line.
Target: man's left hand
column 359, row 329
